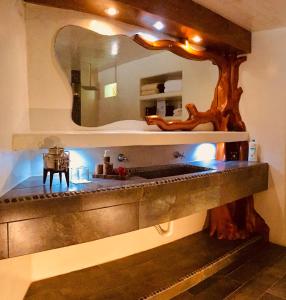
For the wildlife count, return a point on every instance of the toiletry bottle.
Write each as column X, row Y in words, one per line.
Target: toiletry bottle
column 252, row 151
column 106, row 157
column 107, row 165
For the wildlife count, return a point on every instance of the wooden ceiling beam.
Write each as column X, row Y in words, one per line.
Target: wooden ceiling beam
column 183, row 19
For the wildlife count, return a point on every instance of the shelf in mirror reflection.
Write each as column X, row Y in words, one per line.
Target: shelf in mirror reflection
column 161, row 96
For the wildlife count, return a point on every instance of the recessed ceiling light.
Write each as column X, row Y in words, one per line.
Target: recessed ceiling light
column 158, row 25
column 111, row 11
column 197, row 39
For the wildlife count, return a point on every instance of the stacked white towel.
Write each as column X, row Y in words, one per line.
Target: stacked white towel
column 173, row 85
column 149, row 89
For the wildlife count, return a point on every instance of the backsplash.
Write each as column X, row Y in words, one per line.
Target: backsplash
column 137, row 156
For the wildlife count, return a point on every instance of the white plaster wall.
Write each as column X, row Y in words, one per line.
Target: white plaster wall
column 14, row 166
column 13, row 71
column 263, row 107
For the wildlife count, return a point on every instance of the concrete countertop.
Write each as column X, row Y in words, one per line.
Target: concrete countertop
column 34, row 189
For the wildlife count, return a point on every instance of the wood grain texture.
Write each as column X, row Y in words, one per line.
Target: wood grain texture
column 224, row 111
column 236, row 220
column 182, row 19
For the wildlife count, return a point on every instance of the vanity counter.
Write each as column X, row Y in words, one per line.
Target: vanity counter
column 33, row 189
column 33, row 218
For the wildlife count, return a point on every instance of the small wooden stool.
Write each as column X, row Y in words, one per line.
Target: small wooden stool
column 52, row 172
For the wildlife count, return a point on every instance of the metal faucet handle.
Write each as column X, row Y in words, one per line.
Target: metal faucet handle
column 121, row 157
column 177, row 154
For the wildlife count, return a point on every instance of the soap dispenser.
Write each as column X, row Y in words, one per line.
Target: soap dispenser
column 106, row 157
column 252, row 150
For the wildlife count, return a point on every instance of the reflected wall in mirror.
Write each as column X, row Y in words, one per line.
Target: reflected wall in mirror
column 114, row 79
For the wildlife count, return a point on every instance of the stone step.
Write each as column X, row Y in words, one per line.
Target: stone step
column 160, row 273
column 261, row 276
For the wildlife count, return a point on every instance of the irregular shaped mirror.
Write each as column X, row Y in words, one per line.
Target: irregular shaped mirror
column 113, row 79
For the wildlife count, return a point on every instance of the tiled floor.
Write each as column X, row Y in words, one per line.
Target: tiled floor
column 262, row 277
column 144, row 273
column 260, row 273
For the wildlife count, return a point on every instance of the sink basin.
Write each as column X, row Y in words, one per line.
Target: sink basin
column 166, row 171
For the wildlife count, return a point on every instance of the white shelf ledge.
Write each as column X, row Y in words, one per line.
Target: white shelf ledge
column 161, row 96
column 91, row 139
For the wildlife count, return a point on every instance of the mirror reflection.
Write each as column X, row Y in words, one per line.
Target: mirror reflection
column 113, row 79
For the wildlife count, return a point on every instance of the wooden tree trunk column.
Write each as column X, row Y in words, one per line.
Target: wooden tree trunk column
column 237, row 220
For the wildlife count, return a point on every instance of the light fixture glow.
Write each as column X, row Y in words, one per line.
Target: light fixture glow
column 158, row 25
column 148, row 37
column 191, row 47
column 114, row 49
column 205, row 152
column 188, row 46
column 197, row 39
column 111, row 11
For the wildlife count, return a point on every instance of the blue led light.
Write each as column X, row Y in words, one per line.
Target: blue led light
column 205, row 152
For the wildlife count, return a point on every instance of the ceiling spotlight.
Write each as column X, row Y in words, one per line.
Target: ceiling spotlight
column 191, row 47
column 111, row 11
column 197, row 39
column 158, row 25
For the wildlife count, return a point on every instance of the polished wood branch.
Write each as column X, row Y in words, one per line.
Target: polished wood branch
column 237, row 220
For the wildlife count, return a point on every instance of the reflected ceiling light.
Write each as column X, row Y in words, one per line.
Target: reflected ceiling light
column 111, row 11
column 197, row 39
column 158, row 25
column 148, row 37
column 114, row 49
column 189, row 47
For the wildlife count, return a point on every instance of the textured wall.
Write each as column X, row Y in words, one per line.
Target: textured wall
column 263, row 108
column 14, row 117
column 14, row 166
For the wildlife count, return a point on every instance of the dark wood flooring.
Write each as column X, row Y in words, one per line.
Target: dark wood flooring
column 260, row 277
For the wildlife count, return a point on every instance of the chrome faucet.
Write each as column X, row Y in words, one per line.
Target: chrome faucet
column 121, row 157
column 177, row 154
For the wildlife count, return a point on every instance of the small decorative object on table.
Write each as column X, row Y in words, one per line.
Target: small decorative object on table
column 80, row 175
column 107, row 171
column 56, row 161
column 120, row 173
